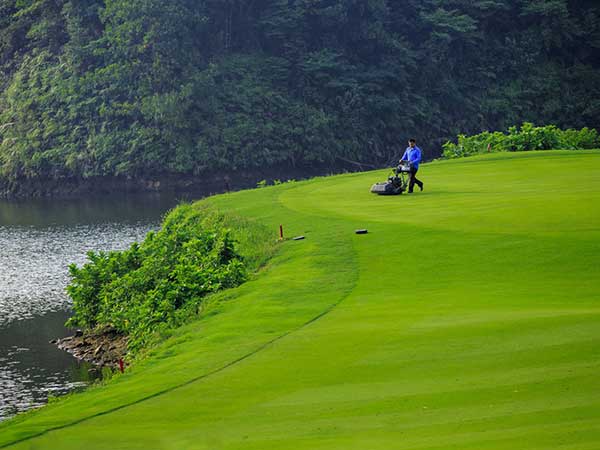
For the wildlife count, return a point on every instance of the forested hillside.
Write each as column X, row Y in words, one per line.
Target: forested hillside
column 139, row 88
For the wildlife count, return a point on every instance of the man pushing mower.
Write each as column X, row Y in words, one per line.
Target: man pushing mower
column 412, row 157
column 397, row 182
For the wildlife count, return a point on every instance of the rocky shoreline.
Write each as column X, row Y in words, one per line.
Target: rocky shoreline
column 103, row 348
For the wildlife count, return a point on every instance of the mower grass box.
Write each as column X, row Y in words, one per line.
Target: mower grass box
column 396, row 183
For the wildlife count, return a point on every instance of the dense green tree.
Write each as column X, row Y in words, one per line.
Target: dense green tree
column 149, row 88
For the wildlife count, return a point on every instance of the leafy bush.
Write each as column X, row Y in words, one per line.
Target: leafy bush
column 528, row 137
column 160, row 281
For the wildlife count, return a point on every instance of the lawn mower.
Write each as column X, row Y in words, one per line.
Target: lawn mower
column 396, row 183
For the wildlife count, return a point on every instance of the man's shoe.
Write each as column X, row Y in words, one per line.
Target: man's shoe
column 421, row 187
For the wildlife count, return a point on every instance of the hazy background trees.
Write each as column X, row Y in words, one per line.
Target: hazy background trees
column 132, row 87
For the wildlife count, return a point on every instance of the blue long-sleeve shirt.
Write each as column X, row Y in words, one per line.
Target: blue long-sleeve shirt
column 413, row 155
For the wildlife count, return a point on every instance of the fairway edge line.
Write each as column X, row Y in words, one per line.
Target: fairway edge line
column 187, row 383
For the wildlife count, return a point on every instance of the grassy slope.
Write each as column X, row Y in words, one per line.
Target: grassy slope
column 468, row 317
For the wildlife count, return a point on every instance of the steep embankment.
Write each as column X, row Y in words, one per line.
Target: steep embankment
column 468, row 317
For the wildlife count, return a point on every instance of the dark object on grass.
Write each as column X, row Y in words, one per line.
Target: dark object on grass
column 361, row 231
column 298, row 238
column 396, row 183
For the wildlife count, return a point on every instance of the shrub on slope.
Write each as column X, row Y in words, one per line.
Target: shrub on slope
column 159, row 282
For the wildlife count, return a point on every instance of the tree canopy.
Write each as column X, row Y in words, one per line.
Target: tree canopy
column 147, row 87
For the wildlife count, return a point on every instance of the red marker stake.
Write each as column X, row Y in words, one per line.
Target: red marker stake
column 281, row 232
column 121, row 366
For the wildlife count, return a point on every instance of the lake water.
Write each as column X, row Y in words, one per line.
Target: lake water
column 38, row 240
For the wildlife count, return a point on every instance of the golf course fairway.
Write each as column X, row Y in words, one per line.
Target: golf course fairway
column 467, row 318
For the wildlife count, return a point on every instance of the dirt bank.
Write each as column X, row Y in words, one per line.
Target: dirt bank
column 102, row 348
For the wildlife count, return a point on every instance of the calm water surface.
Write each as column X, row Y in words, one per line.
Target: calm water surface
column 38, row 240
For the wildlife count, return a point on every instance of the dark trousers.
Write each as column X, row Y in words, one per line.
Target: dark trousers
column 413, row 180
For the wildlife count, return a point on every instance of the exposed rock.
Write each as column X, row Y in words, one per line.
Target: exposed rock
column 100, row 347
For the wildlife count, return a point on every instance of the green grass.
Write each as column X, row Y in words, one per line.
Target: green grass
column 468, row 318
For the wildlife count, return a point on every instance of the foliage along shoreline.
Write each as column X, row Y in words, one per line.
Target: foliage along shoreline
column 213, row 182
column 165, row 280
